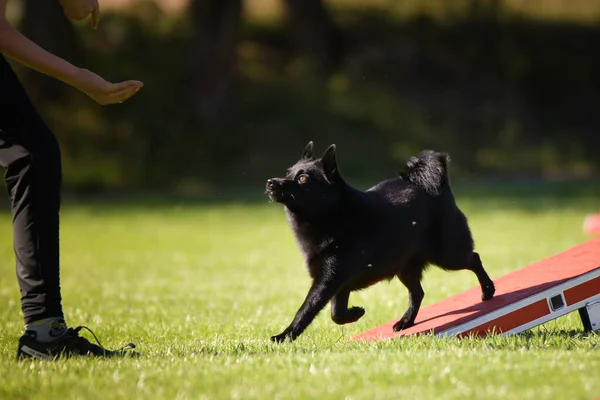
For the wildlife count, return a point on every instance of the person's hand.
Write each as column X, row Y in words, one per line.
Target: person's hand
column 102, row 91
column 79, row 10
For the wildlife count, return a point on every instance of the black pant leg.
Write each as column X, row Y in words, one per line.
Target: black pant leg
column 31, row 154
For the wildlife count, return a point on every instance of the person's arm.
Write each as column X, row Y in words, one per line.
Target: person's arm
column 18, row 47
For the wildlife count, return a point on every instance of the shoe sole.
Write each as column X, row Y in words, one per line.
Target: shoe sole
column 28, row 351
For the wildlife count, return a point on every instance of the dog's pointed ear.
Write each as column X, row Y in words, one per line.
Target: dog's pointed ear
column 308, row 151
column 329, row 163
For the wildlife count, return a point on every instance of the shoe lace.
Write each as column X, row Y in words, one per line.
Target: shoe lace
column 128, row 346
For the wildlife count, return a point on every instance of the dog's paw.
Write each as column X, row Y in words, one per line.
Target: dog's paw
column 282, row 337
column 355, row 313
column 350, row 315
column 403, row 324
column 488, row 292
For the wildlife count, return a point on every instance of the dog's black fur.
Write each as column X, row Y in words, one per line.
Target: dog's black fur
column 352, row 239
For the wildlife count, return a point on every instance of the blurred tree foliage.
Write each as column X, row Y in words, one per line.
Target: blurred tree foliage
column 232, row 101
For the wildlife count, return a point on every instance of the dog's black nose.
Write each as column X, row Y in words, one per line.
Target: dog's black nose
column 271, row 183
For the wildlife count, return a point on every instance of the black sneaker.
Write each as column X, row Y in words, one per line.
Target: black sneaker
column 68, row 345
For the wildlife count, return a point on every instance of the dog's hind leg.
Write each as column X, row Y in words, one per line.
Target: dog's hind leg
column 472, row 262
column 340, row 313
column 411, row 276
column 487, row 286
column 454, row 251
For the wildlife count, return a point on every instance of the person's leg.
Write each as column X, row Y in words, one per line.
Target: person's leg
column 31, row 155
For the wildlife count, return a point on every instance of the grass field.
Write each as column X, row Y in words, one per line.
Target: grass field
column 200, row 287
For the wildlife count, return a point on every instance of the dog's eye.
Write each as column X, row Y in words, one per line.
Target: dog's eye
column 302, row 178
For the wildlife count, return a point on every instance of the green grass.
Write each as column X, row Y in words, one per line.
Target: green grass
column 201, row 287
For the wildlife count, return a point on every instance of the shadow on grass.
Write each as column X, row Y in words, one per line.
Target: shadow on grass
column 543, row 333
column 541, row 338
column 564, row 339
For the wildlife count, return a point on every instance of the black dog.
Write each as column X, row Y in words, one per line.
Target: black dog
column 352, row 239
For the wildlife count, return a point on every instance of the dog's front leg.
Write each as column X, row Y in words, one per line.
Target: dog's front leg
column 340, row 313
column 321, row 291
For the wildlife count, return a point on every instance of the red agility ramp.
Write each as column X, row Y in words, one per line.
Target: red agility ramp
column 530, row 296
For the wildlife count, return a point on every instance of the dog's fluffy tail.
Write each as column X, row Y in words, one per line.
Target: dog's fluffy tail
column 429, row 171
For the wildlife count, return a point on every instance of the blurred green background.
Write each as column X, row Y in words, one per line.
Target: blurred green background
column 235, row 88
